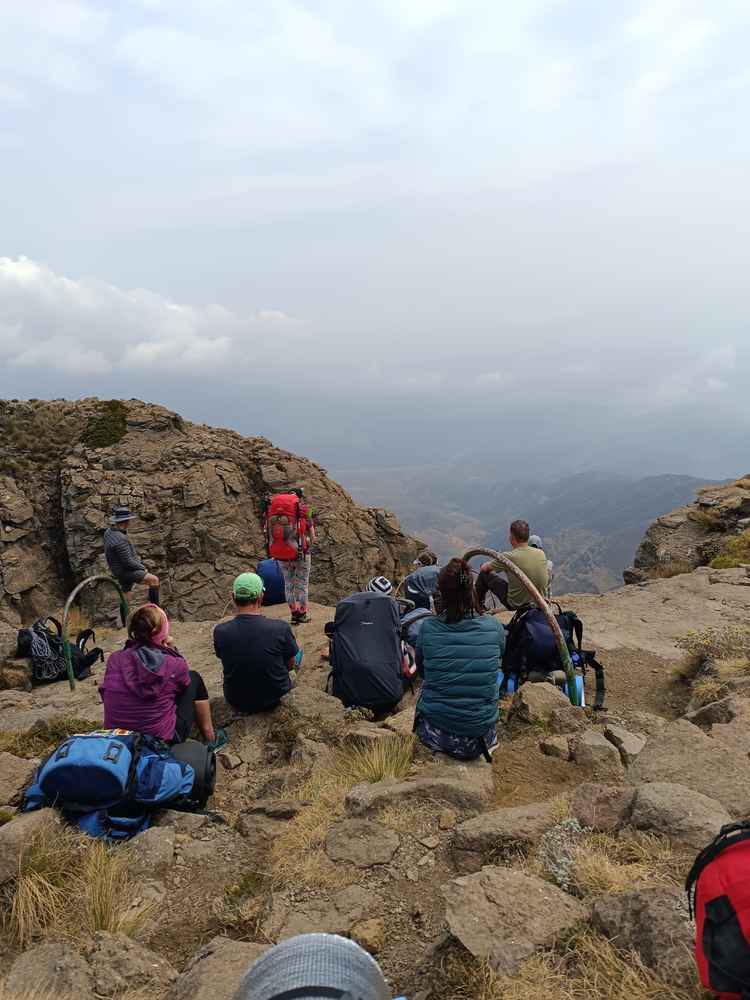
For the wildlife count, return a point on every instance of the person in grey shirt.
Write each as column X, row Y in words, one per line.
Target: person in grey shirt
column 122, row 558
column 535, row 542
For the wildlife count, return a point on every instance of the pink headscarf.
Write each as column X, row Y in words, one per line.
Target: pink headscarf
column 160, row 637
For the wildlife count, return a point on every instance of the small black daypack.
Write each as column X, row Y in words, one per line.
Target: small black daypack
column 531, row 648
column 366, row 655
column 43, row 647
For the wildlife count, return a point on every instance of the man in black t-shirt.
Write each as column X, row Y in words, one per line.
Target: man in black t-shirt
column 257, row 653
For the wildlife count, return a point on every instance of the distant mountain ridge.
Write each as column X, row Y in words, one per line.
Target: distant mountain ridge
column 591, row 522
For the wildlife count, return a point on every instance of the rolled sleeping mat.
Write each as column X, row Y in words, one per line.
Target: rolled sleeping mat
column 513, row 679
column 202, row 759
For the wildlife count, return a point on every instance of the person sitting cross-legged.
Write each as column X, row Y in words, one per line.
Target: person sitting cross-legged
column 258, row 654
column 531, row 561
column 458, row 655
column 148, row 686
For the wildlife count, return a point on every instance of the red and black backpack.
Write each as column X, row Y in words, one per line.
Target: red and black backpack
column 718, row 888
column 286, row 527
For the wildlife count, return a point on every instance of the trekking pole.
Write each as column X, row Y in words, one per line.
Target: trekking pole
column 67, row 650
column 541, row 603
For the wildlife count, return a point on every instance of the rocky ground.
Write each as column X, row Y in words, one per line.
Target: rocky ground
column 583, row 825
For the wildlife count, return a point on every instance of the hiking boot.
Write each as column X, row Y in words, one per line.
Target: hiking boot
column 303, row 618
column 295, row 617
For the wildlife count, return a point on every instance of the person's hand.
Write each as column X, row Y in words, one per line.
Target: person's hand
column 486, row 567
column 210, row 735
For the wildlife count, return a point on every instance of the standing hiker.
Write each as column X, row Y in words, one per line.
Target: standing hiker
column 290, row 535
column 122, row 558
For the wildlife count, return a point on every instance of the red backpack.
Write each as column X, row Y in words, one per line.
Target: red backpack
column 286, row 527
column 718, row 888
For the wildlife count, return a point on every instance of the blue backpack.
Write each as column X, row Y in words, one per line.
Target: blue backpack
column 111, row 781
column 269, row 572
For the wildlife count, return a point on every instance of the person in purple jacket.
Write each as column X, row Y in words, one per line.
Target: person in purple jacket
column 149, row 688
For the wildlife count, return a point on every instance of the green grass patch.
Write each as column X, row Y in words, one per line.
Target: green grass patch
column 735, row 551
column 108, row 427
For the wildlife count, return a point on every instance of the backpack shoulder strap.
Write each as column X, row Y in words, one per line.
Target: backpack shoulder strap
column 83, row 637
column 55, row 622
column 577, row 624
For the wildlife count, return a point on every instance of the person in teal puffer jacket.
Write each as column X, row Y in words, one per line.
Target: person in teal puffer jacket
column 458, row 656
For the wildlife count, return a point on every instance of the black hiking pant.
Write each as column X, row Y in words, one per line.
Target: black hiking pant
column 492, row 583
column 195, row 691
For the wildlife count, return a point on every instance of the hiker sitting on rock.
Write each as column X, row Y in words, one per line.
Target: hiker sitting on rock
column 258, row 654
column 420, row 586
column 458, row 654
column 122, row 558
column 148, row 686
column 511, row 592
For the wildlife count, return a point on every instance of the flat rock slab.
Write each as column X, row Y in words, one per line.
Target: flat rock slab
column 681, row 813
column 467, row 786
column 536, row 703
column 216, row 971
column 152, row 852
column 402, row 722
column 476, row 839
column 119, row 964
column 602, row 807
column 504, row 916
column 683, row 754
column 336, row 915
column 315, row 706
column 361, row 842
column 54, row 969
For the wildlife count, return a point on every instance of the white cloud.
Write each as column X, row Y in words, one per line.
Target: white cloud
column 88, row 327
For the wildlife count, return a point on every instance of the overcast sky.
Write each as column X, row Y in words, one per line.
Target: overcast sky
column 383, row 229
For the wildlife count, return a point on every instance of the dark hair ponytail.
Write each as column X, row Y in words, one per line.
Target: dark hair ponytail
column 456, row 595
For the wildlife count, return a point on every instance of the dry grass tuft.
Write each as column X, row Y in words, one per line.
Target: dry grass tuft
column 707, row 518
column 44, row 735
column 706, row 690
column 68, row 884
column 688, row 668
column 30, row 994
column 732, row 666
column 588, row 967
column 676, row 567
column 734, row 552
column 297, row 855
column 387, row 758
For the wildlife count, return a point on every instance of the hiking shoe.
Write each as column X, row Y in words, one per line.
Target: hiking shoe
column 303, row 618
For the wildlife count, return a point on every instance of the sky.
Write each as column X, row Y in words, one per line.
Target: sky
column 514, row 233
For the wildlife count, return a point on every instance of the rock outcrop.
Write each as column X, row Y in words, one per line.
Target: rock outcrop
column 198, row 492
column 695, row 534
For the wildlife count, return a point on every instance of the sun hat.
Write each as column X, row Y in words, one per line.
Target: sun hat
column 314, row 967
column 248, row 585
column 120, row 515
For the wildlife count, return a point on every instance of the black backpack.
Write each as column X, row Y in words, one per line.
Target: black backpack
column 366, row 657
column 44, row 648
column 531, row 648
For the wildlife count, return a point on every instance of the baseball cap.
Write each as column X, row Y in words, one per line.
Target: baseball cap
column 313, row 967
column 248, row 585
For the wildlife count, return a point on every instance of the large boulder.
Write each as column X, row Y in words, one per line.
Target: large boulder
column 683, row 754
column 504, row 916
column 654, row 923
column 151, row 853
column 628, row 744
column 682, row 814
column 200, row 492
column 216, row 970
column 476, row 840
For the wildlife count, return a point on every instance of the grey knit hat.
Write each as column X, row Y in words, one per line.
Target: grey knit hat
column 314, row 967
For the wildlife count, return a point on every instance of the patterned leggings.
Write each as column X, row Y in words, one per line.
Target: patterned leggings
column 296, row 575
